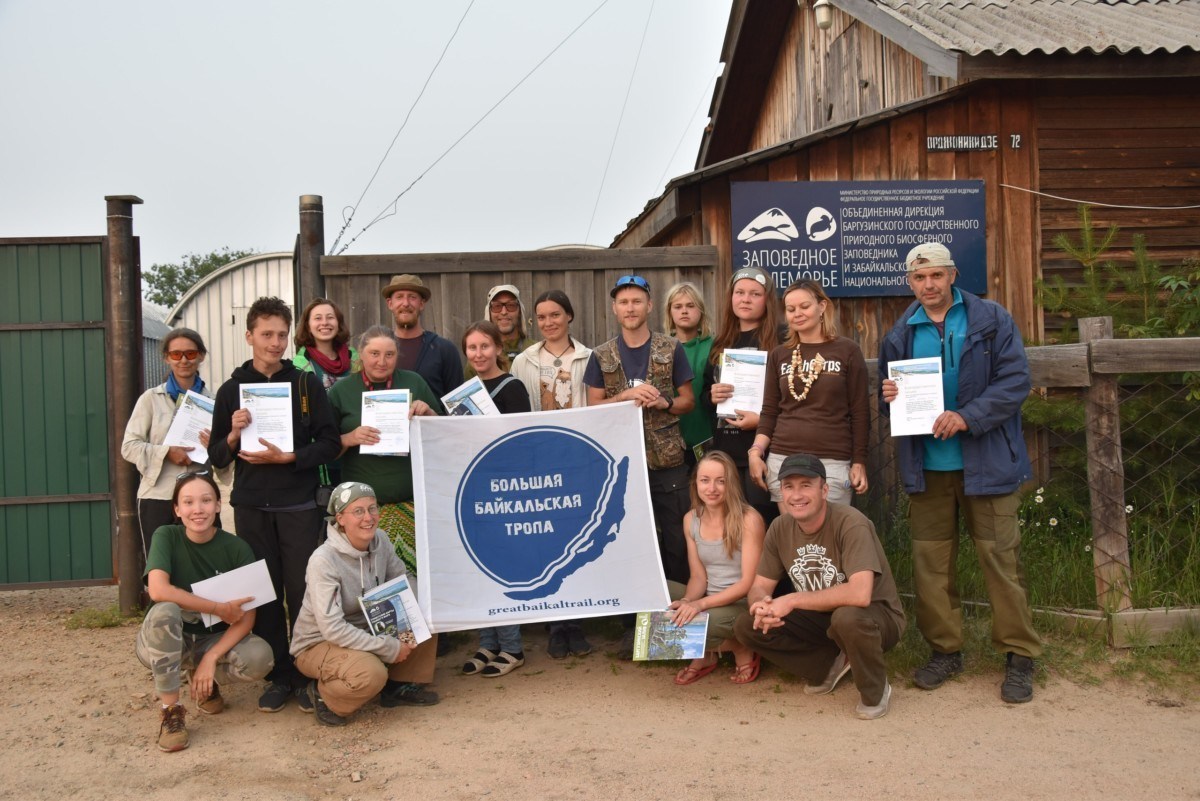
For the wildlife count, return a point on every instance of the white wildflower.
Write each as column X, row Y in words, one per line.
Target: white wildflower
column 1038, row 498
column 1129, row 509
column 1054, row 521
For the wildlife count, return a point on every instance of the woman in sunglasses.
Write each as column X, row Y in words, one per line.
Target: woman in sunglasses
column 183, row 351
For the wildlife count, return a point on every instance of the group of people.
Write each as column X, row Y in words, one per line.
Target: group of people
column 752, row 509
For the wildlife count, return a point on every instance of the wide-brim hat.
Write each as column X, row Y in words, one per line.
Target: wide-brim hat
column 408, row 281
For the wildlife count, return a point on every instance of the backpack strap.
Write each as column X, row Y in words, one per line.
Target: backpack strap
column 501, row 386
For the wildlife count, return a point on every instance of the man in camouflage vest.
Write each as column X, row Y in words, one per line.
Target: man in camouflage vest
column 651, row 370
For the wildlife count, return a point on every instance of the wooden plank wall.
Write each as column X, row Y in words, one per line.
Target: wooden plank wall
column 835, row 76
column 1124, row 143
column 459, row 283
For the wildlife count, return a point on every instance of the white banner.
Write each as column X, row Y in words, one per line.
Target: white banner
column 532, row 517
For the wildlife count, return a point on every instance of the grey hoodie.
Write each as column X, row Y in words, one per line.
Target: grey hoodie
column 338, row 573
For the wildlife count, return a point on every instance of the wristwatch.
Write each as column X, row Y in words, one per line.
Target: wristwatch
column 670, row 402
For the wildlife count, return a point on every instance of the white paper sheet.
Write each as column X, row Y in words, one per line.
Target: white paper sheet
column 919, row 400
column 387, row 410
column 250, row 581
column 193, row 416
column 746, row 369
column 270, row 407
column 470, row 397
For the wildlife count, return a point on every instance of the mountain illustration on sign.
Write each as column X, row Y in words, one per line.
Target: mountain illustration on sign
column 538, row 504
column 774, row 223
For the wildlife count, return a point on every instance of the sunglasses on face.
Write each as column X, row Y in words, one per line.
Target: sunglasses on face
column 501, row 305
column 176, row 355
column 632, row 280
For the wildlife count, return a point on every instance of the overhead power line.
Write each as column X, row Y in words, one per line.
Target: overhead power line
column 390, row 209
column 616, row 132
column 348, row 218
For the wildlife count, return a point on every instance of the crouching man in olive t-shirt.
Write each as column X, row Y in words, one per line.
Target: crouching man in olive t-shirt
column 845, row 612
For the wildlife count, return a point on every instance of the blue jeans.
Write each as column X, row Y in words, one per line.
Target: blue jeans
column 501, row 638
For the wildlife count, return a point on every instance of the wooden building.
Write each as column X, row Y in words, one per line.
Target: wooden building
column 1088, row 100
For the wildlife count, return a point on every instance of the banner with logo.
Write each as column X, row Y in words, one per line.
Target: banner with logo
column 852, row 236
column 533, row 517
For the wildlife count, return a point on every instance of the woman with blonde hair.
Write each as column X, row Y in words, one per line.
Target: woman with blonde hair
column 815, row 399
column 724, row 544
column 686, row 318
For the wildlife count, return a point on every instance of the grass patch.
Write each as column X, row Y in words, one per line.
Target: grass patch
column 107, row 618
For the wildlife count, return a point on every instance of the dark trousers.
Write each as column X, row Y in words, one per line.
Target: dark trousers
column 669, row 500
column 285, row 540
column 808, row 642
column 152, row 514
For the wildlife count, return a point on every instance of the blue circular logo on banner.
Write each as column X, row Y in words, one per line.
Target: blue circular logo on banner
column 536, row 505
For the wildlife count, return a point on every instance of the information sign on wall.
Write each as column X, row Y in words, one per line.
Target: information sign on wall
column 852, row 236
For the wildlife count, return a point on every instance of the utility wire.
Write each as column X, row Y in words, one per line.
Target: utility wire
column 687, row 127
column 390, row 210
column 1098, row 203
column 350, row 217
column 620, row 118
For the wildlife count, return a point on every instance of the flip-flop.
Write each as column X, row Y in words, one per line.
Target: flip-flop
column 690, row 675
column 744, row 674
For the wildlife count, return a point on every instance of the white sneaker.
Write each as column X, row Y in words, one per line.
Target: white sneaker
column 837, row 671
column 865, row 712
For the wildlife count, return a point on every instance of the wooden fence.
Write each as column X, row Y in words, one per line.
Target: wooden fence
column 1092, row 366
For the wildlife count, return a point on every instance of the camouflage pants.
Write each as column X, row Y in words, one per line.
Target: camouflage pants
column 164, row 647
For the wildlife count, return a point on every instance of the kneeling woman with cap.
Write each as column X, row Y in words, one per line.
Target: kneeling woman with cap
column 332, row 643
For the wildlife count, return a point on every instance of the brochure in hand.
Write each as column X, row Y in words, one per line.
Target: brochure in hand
column 391, row 608
column 656, row 636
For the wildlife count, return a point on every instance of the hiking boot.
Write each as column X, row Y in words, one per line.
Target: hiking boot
column 274, row 698
column 865, row 712
column 324, row 715
column 1018, row 680
column 214, row 704
column 173, row 733
column 939, row 668
column 558, row 647
column 837, row 671
column 576, row 642
column 406, row 693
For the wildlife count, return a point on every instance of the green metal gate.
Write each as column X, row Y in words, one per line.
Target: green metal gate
column 57, row 511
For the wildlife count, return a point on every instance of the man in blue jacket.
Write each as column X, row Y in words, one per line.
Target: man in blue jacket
column 434, row 358
column 974, row 462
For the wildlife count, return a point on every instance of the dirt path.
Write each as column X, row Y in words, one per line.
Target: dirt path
column 78, row 722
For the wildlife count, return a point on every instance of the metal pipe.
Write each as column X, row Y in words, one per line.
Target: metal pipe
column 311, row 247
column 125, row 349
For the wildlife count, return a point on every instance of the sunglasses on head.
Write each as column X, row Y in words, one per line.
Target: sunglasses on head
column 191, row 474
column 632, row 280
column 177, row 355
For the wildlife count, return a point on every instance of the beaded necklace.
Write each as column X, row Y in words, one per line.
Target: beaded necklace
column 808, row 377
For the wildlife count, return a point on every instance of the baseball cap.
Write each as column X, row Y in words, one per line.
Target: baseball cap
column 630, row 280
column 761, row 277
column 933, row 254
column 802, row 464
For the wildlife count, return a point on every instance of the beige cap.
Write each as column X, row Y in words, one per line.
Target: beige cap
column 930, row 254
column 406, row 281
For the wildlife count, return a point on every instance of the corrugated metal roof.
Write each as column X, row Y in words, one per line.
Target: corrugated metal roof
column 974, row 27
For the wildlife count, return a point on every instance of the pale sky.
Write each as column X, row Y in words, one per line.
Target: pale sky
column 219, row 115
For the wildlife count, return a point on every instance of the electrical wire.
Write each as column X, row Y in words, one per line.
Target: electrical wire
column 686, row 128
column 617, row 132
column 347, row 219
column 391, row 210
column 1098, row 203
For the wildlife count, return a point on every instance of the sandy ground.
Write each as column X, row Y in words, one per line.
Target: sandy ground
column 78, row 722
